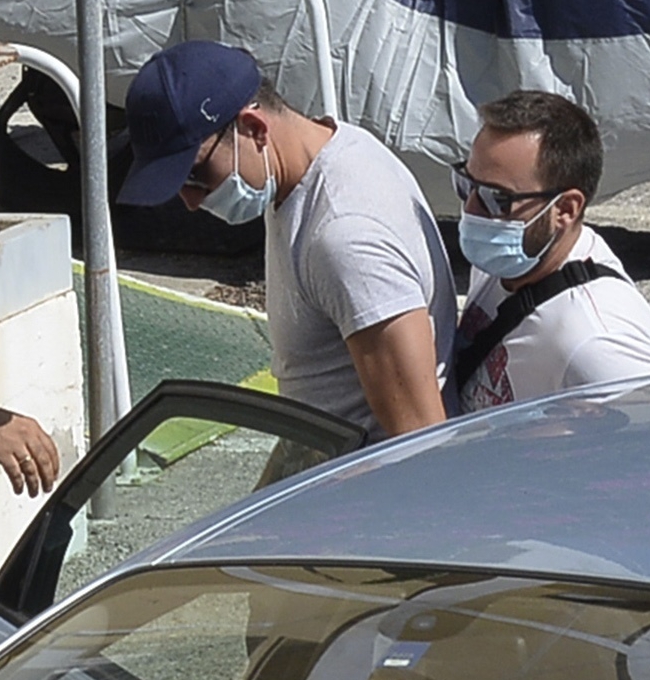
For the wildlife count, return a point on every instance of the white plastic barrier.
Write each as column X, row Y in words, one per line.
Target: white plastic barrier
column 40, row 351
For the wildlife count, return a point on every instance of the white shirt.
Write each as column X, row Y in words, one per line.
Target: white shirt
column 587, row 334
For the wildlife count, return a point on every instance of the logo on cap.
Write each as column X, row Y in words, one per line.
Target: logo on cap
column 208, row 116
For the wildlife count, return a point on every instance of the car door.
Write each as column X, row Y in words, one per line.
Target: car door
column 236, row 426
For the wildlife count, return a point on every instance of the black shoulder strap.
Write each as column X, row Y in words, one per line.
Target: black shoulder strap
column 515, row 308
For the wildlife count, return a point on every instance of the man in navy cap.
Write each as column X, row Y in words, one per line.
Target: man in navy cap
column 360, row 295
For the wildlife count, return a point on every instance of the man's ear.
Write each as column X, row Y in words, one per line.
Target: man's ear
column 570, row 207
column 252, row 122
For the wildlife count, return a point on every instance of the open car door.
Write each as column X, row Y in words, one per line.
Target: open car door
column 265, row 436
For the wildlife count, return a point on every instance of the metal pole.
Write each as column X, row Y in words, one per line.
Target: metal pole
column 323, row 46
column 69, row 83
column 94, row 175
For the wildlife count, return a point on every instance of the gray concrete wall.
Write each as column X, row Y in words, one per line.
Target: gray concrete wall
column 40, row 350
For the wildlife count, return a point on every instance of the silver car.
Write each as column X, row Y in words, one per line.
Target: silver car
column 514, row 543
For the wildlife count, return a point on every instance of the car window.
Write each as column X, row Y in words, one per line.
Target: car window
column 316, row 622
column 229, row 465
column 200, row 446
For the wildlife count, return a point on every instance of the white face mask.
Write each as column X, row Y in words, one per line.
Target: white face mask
column 497, row 246
column 236, row 201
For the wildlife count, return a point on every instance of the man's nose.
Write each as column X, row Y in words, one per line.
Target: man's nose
column 192, row 197
column 474, row 205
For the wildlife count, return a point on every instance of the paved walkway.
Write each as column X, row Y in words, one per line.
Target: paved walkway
column 175, row 335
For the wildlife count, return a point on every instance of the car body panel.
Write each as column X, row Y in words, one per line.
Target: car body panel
column 550, row 493
column 557, row 485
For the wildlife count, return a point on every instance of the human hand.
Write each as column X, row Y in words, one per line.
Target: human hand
column 27, row 453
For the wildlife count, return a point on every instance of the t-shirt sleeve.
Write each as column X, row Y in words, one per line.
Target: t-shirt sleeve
column 611, row 357
column 359, row 273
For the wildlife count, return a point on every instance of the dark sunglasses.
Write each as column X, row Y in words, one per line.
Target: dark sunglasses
column 496, row 201
column 193, row 179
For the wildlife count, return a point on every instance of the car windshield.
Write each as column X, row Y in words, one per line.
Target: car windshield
column 322, row 622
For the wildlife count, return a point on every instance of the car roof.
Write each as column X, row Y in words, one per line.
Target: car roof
column 557, row 485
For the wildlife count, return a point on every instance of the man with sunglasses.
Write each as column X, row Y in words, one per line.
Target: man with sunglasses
column 549, row 305
column 360, row 295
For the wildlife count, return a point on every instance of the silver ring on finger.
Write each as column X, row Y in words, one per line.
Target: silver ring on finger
column 24, row 460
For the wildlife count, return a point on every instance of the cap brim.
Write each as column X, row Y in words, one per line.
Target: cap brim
column 157, row 180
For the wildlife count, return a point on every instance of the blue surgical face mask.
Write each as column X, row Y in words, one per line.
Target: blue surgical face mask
column 236, row 201
column 497, row 246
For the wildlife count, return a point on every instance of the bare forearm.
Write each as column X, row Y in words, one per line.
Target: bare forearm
column 396, row 363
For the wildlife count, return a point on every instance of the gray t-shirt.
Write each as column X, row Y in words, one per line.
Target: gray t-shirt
column 354, row 244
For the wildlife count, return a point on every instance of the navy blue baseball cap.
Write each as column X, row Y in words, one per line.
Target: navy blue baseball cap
column 180, row 97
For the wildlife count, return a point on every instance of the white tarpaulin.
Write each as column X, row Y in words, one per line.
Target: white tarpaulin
column 412, row 71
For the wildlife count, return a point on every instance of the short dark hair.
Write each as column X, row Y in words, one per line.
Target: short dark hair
column 570, row 150
column 268, row 98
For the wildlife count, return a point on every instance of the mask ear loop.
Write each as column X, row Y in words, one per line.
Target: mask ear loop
column 236, row 149
column 267, row 166
column 543, row 211
column 546, row 248
column 265, row 154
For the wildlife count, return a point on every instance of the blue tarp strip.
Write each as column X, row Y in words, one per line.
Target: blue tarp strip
column 546, row 19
